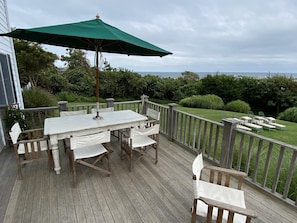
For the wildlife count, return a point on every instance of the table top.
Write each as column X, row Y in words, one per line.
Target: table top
column 109, row 120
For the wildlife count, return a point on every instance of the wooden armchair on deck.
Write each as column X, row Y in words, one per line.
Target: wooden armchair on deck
column 66, row 142
column 88, row 150
column 215, row 199
column 139, row 142
column 29, row 145
column 153, row 117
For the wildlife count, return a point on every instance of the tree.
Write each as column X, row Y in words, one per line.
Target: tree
column 76, row 58
column 279, row 92
column 32, row 61
column 188, row 75
column 80, row 75
column 225, row 86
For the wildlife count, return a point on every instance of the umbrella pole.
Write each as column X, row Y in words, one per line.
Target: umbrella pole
column 97, row 84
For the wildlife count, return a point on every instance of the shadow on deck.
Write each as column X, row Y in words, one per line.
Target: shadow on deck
column 150, row 193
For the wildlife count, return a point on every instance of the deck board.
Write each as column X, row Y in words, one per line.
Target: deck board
column 149, row 194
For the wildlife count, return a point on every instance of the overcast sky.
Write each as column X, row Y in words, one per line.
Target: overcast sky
column 203, row 35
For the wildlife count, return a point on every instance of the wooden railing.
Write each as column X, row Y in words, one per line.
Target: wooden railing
column 270, row 164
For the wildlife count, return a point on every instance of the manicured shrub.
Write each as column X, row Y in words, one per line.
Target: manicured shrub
column 209, row 101
column 72, row 97
column 37, row 97
column 289, row 114
column 67, row 96
column 238, row 106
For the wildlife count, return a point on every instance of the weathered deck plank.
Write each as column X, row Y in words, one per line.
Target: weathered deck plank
column 150, row 193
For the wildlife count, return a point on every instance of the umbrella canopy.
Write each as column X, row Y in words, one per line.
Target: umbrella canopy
column 89, row 35
column 94, row 35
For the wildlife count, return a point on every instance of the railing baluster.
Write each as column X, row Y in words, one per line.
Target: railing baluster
column 240, row 153
column 216, row 142
column 278, row 169
column 210, row 139
column 290, row 174
column 204, row 139
column 267, row 163
column 256, row 166
column 249, row 155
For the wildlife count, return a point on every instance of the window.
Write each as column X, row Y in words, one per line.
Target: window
column 7, row 90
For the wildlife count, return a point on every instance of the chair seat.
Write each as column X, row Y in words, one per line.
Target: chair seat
column 89, row 151
column 142, row 141
column 21, row 148
column 220, row 193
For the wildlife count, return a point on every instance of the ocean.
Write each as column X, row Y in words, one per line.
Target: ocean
column 237, row 74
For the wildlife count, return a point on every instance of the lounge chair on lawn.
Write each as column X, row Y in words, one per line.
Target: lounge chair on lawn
column 271, row 121
column 278, row 126
column 240, row 125
column 259, row 120
column 247, row 122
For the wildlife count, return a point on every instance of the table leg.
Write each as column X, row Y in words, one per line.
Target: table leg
column 55, row 153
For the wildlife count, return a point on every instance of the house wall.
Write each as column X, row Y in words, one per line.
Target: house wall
column 6, row 47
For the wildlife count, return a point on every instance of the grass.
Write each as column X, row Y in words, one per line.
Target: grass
column 288, row 135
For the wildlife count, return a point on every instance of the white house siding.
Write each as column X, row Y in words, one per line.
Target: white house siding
column 6, row 47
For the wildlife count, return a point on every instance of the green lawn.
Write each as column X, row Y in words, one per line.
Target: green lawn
column 288, row 135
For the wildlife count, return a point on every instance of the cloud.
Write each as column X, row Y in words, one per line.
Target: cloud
column 211, row 35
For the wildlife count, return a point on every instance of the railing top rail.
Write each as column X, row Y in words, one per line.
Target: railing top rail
column 159, row 105
column 267, row 139
column 201, row 118
column 86, row 105
column 127, row 102
column 40, row 108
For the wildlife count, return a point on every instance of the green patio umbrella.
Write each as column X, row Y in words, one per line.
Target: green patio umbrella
column 94, row 35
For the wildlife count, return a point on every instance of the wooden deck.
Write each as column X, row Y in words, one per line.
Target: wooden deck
column 150, row 193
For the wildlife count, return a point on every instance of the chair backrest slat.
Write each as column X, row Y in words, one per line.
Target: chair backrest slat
column 151, row 130
column 15, row 132
column 153, row 114
column 197, row 166
column 87, row 140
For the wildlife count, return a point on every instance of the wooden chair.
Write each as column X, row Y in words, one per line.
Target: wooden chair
column 153, row 116
column 214, row 199
column 108, row 109
column 139, row 142
column 29, row 146
column 66, row 142
column 85, row 148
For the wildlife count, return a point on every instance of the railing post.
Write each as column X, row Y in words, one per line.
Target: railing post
column 109, row 102
column 226, row 154
column 63, row 105
column 171, row 120
column 144, row 99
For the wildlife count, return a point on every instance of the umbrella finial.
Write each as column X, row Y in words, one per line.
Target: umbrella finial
column 97, row 16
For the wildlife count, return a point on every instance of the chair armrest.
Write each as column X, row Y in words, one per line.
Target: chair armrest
column 227, row 171
column 225, row 175
column 152, row 121
column 228, row 207
column 32, row 130
column 32, row 140
column 32, row 133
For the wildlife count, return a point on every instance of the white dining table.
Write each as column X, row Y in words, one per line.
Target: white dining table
column 58, row 128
